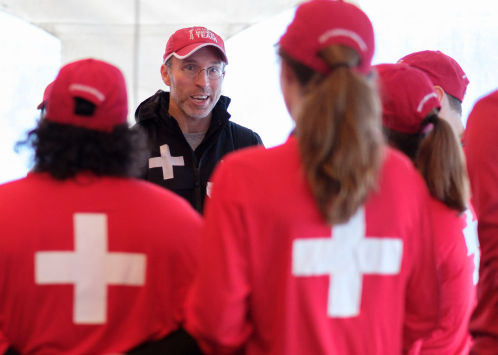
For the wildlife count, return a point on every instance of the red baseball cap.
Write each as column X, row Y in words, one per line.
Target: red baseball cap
column 321, row 23
column 96, row 81
column 186, row 41
column 407, row 97
column 443, row 70
column 46, row 94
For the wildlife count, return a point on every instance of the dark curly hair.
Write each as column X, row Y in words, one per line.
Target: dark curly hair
column 65, row 150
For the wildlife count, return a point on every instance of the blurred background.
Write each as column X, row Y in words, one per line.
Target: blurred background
column 38, row 36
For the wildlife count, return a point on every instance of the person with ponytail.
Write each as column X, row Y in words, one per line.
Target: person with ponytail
column 317, row 246
column 412, row 125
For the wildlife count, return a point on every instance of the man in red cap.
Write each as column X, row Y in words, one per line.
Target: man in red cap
column 481, row 149
column 449, row 80
column 189, row 128
column 92, row 261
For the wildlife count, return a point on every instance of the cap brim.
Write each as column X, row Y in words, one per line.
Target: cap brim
column 42, row 105
column 187, row 51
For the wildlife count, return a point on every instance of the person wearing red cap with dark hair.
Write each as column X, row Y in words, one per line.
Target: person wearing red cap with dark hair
column 449, row 80
column 92, row 261
column 481, row 137
column 411, row 124
column 317, row 246
column 189, row 127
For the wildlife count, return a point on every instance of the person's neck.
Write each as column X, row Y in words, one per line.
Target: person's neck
column 453, row 117
column 190, row 124
column 455, row 121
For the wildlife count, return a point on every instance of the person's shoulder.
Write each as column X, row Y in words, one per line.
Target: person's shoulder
column 241, row 129
column 399, row 176
column 17, row 195
column 31, row 180
column 482, row 124
column 399, row 166
column 249, row 172
column 445, row 215
column 258, row 158
column 9, row 186
column 397, row 159
column 492, row 99
column 245, row 136
column 146, row 189
column 154, row 193
column 148, row 108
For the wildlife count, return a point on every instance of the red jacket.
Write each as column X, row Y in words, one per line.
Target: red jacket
column 481, row 148
column 456, row 266
column 275, row 278
column 92, row 265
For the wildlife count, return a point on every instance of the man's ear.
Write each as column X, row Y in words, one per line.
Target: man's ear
column 439, row 92
column 165, row 75
column 287, row 75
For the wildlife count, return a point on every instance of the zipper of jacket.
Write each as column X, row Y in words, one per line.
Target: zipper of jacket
column 195, row 165
column 197, row 183
column 198, row 197
column 206, row 146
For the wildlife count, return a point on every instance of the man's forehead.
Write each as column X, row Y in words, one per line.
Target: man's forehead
column 207, row 54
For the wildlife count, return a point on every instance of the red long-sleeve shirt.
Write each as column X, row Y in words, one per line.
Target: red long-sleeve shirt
column 481, row 148
column 455, row 260
column 275, row 278
column 92, row 265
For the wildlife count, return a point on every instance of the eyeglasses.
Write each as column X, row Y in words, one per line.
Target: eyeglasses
column 192, row 71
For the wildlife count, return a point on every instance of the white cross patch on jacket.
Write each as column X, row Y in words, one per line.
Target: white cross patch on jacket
column 346, row 257
column 90, row 268
column 166, row 162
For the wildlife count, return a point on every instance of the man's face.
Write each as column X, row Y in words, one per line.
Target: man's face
column 195, row 97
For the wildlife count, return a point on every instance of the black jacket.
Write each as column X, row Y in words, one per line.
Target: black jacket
column 190, row 179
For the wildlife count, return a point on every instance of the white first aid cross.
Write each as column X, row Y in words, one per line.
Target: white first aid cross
column 472, row 242
column 166, row 161
column 346, row 257
column 91, row 268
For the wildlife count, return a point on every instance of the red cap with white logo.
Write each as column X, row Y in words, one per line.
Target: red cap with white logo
column 96, row 81
column 321, row 23
column 407, row 97
column 187, row 41
column 443, row 70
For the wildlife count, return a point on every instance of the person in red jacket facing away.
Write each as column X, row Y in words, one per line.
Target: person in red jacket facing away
column 411, row 124
column 450, row 84
column 92, row 261
column 318, row 246
column 481, row 137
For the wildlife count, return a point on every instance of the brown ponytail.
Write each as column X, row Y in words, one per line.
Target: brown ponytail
column 440, row 161
column 339, row 134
